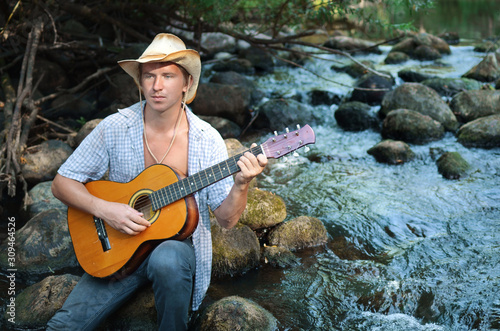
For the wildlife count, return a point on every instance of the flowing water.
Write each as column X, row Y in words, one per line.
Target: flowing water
column 429, row 247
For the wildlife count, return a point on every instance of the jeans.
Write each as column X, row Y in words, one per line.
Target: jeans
column 170, row 268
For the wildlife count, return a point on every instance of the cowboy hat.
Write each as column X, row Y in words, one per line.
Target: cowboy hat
column 167, row 48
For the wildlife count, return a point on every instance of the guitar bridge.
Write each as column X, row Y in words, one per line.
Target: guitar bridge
column 102, row 234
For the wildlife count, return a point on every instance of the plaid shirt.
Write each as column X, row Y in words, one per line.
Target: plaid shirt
column 116, row 144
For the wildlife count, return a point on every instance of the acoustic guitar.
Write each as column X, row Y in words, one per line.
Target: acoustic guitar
column 167, row 202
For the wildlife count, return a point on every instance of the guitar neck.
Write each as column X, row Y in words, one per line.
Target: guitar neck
column 198, row 181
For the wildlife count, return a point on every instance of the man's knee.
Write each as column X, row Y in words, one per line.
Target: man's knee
column 171, row 257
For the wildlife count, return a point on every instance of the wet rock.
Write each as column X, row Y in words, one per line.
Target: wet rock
column 319, row 97
column 356, row 116
column 41, row 162
column 301, row 232
column 355, row 70
column 264, row 209
column 235, row 251
column 411, row 127
column 488, row 70
column 236, row 313
column 221, row 100
column 36, row 304
column 411, row 76
column 372, row 81
column 226, row 128
column 448, row 87
column 352, row 45
column 426, row 53
column 452, row 38
column 452, row 165
column 422, row 99
column 279, row 257
column 43, row 246
column 278, row 114
column 392, row 152
column 396, row 58
column 43, row 199
column 483, row 132
column 214, row 42
column 487, row 46
column 470, row 105
column 347, row 250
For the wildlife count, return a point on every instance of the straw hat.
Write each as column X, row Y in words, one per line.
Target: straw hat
column 167, row 48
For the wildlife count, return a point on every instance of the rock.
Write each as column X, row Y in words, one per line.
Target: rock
column 242, row 66
column 43, row 246
column 120, row 93
column 392, row 152
column 411, row 76
column 236, row 313
column 214, row 42
column 235, row 250
column 221, row 100
column 422, row 99
column 355, row 70
column 278, row 114
column 301, row 232
column 423, row 46
column 43, row 199
column 319, row 97
column 448, row 87
column 452, row 38
column 372, row 81
column 352, row 45
column 226, row 128
column 279, row 257
column 487, row 70
column 411, row 127
column 233, row 78
column 262, row 61
column 452, row 165
column 264, row 209
column 487, row 46
column 396, row 58
column 41, row 162
column 36, row 304
column 54, row 76
column 483, row 132
column 355, row 116
column 85, row 131
column 470, row 105
column 426, row 53
column 72, row 106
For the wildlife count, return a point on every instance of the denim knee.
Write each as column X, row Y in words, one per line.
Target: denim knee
column 170, row 258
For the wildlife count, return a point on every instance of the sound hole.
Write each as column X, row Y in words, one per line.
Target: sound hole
column 143, row 205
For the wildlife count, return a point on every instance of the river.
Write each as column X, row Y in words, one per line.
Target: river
column 430, row 246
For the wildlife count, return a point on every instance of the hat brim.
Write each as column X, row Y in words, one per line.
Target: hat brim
column 188, row 59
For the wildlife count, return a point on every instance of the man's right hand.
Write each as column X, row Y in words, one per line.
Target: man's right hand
column 122, row 217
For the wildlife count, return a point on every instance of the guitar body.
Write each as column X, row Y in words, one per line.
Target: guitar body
column 125, row 253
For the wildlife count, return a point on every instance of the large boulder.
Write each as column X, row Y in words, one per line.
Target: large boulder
column 37, row 303
column 41, row 162
column 222, row 100
column 423, row 46
column 470, row 105
column 411, row 127
column 356, row 116
column 352, row 45
column 235, row 250
column 42, row 199
column 43, row 246
column 448, row 87
column 422, row 99
column 380, row 85
column 301, row 232
column 488, row 70
column 236, row 313
column 278, row 114
column 483, row 132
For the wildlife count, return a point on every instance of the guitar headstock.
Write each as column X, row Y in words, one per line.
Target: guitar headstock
column 280, row 145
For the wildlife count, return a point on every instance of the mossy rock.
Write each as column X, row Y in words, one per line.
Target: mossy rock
column 236, row 313
column 411, row 127
column 301, row 232
column 452, row 165
column 279, row 257
column 483, row 132
column 235, row 250
column 264, row 209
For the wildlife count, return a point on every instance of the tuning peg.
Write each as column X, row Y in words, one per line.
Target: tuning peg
column 285, row 158
column 295, row 154
column 307, row 149
column 276, row 133
column 298, row 126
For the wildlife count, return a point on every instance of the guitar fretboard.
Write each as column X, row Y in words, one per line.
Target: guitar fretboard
column 189, row 185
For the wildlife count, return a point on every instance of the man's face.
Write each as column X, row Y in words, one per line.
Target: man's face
column 163, row 85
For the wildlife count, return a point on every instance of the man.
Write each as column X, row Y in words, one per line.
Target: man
column 160, row 130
